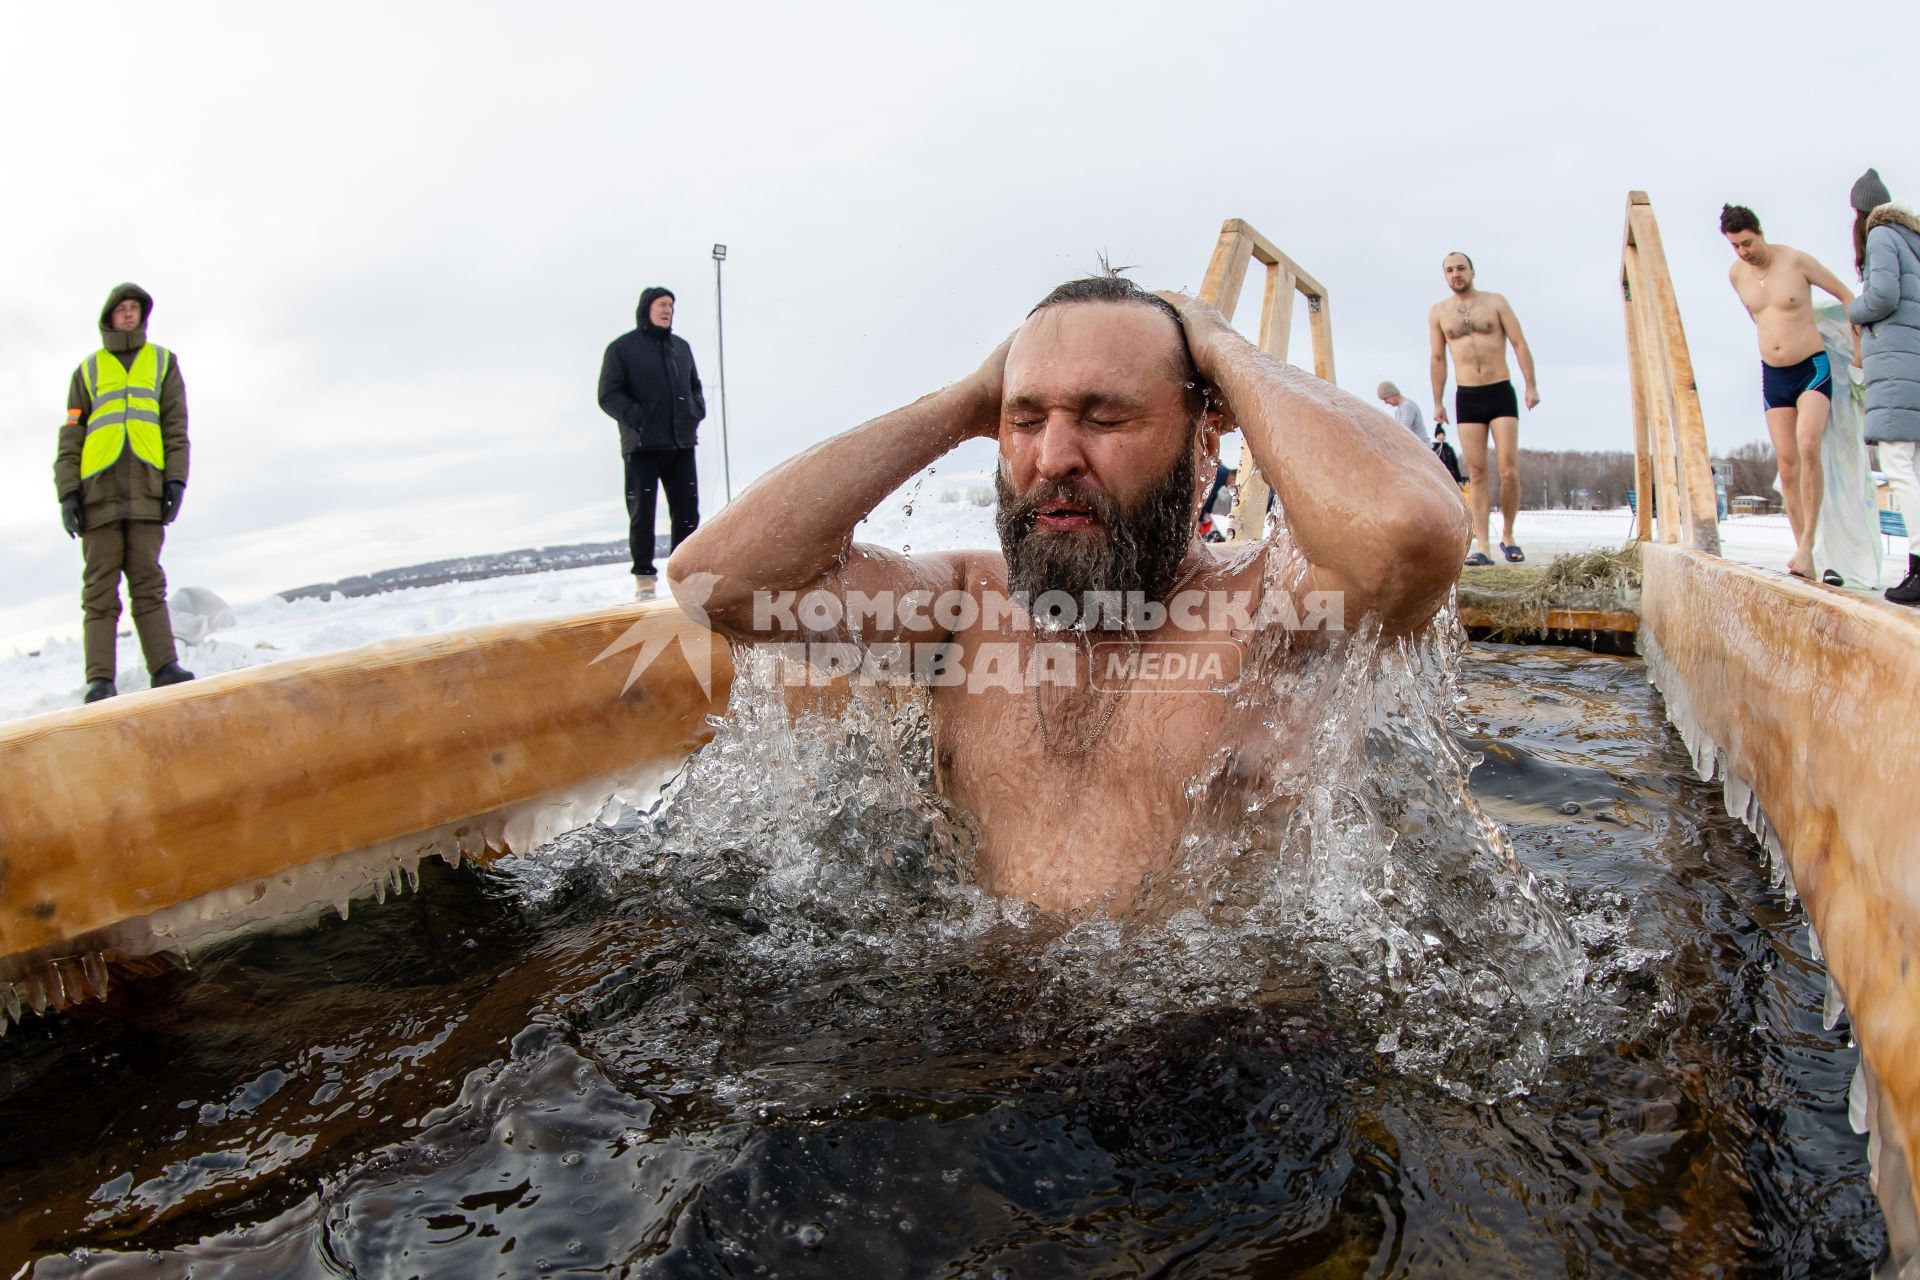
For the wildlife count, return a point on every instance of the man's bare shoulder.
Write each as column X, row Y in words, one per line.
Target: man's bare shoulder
column 970, row 569
column 1809, row 266
column 979, row 570
column 1798, row 261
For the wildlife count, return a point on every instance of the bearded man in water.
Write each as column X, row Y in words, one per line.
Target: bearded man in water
column 1107, row 404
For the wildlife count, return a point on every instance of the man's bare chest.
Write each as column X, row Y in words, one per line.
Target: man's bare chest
column 1042, row 753
column 1468, row 321
column 1778, row 293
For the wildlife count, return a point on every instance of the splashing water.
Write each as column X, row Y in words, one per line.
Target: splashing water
column 1355, row 873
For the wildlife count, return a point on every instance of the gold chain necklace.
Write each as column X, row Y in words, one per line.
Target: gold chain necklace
column 1046, row 737
column 1099, row 730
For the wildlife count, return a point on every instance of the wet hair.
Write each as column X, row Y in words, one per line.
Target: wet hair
column 1457, row 254
column 1113, row 287
column 1735, row 218
column 1860, row 217
column 1439, row 430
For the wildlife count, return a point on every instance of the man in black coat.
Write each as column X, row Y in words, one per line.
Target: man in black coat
column 649, row 386
column 1448, row 458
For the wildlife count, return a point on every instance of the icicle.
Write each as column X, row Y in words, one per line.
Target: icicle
column 1836, row 1005
column 94, row 965
column 1857, row 1097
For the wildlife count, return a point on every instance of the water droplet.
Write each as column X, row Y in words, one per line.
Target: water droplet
column 811, row 1235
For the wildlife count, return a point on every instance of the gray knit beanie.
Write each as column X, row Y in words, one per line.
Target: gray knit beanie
column 1869, row 193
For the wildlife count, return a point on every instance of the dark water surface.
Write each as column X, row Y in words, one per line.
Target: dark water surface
column 469, row 1082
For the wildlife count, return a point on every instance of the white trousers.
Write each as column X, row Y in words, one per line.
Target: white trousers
column 1900, row 459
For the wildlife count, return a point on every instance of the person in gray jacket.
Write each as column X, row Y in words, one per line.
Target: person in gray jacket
column 1886, row 242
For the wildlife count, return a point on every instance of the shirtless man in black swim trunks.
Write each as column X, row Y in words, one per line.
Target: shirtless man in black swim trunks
column 1476, row 327
column 1775, row 283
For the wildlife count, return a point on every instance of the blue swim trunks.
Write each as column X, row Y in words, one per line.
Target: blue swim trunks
column 1781, row 388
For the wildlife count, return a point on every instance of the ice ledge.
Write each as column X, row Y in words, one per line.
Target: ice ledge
column 1892, row 1180
column 57, row 978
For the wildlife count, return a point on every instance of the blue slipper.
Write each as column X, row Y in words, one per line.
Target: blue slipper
column 1513, row 554
column 1478, row 558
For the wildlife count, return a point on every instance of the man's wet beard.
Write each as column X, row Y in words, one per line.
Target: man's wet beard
column 1129, row 550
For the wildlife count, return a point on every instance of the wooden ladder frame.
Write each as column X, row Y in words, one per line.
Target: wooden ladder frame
column 1238, row 245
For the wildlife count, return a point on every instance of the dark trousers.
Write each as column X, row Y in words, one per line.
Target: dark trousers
column 648, row 471
column 132, row 548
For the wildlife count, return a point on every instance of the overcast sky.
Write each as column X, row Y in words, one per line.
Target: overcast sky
column 390, row 242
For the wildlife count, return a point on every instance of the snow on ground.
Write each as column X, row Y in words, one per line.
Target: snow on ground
column 933, row 512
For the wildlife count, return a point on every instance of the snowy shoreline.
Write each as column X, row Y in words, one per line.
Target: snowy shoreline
column 931, row 513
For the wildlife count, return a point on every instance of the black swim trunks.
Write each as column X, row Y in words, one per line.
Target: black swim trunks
column 1781, row 387
column 1484, row 404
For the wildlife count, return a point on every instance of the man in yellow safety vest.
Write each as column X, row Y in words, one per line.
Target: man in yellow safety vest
column 121, row 472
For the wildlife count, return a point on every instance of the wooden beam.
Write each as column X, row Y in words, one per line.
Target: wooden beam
column 1276, row 313
column 1320, row 325
column 1227, row 269
column 1276, row 332
column 1689, row 424
column 1264, row 250
column 127, row 807
column 1637, row 378
column 1667, row 499
column 1621, row 620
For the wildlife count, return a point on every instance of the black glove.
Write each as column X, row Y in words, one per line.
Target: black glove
column 70, row 518
column 170, row 503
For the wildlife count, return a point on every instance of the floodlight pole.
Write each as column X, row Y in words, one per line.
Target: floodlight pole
column 720, row 324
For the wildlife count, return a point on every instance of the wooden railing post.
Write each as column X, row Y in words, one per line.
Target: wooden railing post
column 1662, row 334
column 1637, row 376
column 1668, row 501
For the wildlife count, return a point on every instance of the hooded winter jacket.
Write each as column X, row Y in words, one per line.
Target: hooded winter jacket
column 1888, row 311
column 130, row 488
column 649, row 386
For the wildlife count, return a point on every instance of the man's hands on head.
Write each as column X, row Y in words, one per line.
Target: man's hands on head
column 985, row 389
column 1204, row 326
column 1206, row 329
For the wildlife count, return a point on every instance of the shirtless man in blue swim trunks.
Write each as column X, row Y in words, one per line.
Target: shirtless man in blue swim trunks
column 1775, row 283
column 1475, row 328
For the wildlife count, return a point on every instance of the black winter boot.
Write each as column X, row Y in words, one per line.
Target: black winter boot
column 100, row 690
column 1908, row 592
column 172, row 673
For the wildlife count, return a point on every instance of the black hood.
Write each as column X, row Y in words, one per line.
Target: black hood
column 647, row 299
column 112, row 338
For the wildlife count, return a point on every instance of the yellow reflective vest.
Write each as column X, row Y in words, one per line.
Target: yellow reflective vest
column 126, row 409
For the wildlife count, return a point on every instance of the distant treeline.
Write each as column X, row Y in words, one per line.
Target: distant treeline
column 1599, row 480
column 1576, row 478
